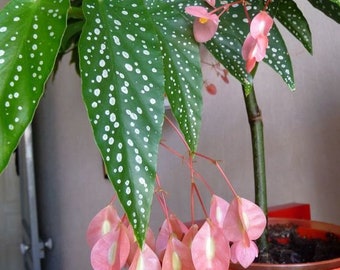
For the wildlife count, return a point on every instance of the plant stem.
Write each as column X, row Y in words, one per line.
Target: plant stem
column 75, row 13
column 256, row 128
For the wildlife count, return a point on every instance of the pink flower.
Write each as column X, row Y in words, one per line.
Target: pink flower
column 218, row 210
column 206, row 23
column 256, row 43
column 243, row 223
column 210, row 249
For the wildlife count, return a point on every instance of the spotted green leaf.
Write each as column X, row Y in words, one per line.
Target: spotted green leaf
column 226, row 46
column 123, row 89
column 289, row 14
column 278, row 57
column 30, row 36
column 183, row 78
column 331, row 8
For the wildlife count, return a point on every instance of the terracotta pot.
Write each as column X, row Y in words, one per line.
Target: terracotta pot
column 306, row 228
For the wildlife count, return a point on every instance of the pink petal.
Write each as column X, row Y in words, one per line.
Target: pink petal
column 261, row 24
column 178, row 228
column 248, row 47
column 243, row 217
column 104, row 221
column 218, row 210
column 209, row 249
column 250, row 64
column 111, row 251
column 254, row 50
column 190, row 235
column 243, row 254
column 203, row 32
column 177, row 256
column 145, row 260
column 254, row 218
column 197, row 11
column 261, row 47
column 212, row 3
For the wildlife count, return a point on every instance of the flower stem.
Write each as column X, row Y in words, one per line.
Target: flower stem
column 256, row 128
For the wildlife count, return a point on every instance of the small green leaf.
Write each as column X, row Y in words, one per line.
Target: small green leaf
column 330, row 8
column 183, row 78
column 291, row 17
column 30, row 36
column 123, row 89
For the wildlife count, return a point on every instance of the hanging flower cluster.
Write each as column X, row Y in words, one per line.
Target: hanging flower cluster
column 227, row 233
column 255, row 44
column 177, row 245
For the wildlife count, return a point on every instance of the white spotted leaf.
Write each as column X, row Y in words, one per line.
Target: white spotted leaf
column 226, row 48
column 30, row 37
column 123, row 89
column 278, row 57
column 291, row 17
column 183, row 78
column 227, row 44
column 330, row 8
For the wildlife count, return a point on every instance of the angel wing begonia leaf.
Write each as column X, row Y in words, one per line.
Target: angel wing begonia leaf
column 123, row 89
column 278, row 57
column 210, row 249
column 330, row 8
column 291, row 17
column 111, row 251
column 177, row 256
column 30, row 37
column 183, row 77
column 104, row 221
column 145, row 260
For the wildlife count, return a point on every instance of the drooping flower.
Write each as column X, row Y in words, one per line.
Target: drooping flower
column 106, row 220
column 205, row 24
column 218, row 210
column 255, row 45
column 177, row 255
column 176, row 227
column 111, row 251
column 145, row 259
column 209, row 248
column 244, row 222
column 149, row 240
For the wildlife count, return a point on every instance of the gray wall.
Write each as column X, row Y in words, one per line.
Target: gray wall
column 302, row 131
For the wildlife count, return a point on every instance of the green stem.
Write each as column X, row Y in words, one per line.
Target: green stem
column 256, row 128
column 75, row 13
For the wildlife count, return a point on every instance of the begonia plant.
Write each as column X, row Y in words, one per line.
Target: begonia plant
column 131, row 56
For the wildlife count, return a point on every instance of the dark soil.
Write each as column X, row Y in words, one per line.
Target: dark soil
column 287, row 246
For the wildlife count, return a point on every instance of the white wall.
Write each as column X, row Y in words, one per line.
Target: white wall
column 302, row 132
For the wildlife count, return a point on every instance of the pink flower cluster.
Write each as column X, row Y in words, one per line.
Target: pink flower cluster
column 177, row 245
column 255, row 45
